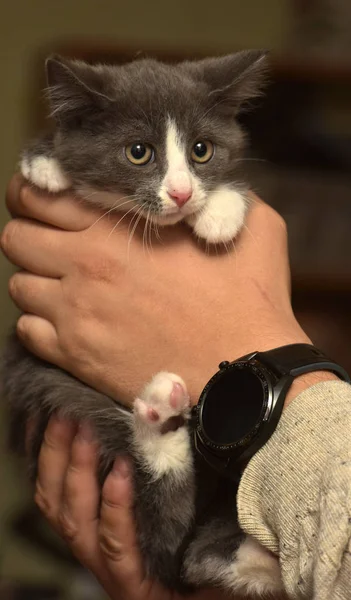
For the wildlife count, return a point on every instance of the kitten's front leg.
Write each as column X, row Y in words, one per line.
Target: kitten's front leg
column 39, row 166
column 221, row 219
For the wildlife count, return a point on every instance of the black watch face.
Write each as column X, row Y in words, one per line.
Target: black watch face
column 233, row 405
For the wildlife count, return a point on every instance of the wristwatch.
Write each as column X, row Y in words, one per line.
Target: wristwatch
column 240, row 407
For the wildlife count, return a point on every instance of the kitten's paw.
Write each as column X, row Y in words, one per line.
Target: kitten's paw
column 164, row 404
column 255, row 570
column 161, row 440
column 250, row 570
column 222, row 218
column 45, row 172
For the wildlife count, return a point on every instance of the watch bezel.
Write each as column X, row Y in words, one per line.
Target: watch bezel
column 268, row 400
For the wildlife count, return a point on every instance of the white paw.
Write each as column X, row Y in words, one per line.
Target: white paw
column 46, row 173
column 255, row 571
column 162, row 400
column 222, row 217
column 160, row 438
column 251, row 570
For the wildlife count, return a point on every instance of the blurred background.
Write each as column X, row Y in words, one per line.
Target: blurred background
column 299, row 161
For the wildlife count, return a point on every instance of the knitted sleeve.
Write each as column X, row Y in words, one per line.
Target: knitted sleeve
column 295, row 494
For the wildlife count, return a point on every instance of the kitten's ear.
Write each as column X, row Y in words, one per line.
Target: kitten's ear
column 233, row 79
column 75, row 89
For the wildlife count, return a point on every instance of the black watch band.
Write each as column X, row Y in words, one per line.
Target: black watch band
column 297, row 359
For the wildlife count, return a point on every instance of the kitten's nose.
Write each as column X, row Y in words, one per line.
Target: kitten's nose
column 180, row 197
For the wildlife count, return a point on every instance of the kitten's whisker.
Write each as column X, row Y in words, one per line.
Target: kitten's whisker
column 145, row 241
column 139, row 216
column 236, row 256
column 149, row 233
column 230, row 246
column 121, row 219
column 88, row 196
column 157, row 232
column 114, row 208
column 251, row 234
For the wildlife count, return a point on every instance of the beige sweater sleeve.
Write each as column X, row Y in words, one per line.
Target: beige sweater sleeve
column 295, row 494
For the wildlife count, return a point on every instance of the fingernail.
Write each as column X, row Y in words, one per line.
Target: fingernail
column 121, row 467
column 85, row 432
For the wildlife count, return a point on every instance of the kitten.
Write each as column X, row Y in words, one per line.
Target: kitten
column 161, row 141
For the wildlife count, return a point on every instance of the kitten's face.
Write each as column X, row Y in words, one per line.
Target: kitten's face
column 151, row 137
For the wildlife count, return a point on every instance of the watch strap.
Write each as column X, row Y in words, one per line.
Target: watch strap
column 297, row 359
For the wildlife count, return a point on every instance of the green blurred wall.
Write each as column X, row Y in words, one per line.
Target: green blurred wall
column 28, row 26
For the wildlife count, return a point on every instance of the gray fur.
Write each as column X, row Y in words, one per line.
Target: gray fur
column 98, row 111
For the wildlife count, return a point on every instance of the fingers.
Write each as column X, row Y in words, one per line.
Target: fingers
column 34, row 294
column 117, row 530
column 35, row 247
column 68, row 495
column 39, row 337
column 67, row 491
column 53, row 462
column 62, row 211
column 78, row 518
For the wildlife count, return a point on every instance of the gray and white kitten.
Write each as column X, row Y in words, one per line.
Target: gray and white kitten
column 162, row 141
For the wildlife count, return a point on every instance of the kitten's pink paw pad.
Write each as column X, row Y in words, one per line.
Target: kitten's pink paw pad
column 179, row 399
column 153, row 415
column 145, row 412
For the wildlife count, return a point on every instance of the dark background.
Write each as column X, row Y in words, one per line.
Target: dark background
column 299, row 161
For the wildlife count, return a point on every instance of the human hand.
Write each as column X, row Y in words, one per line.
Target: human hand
column 112, row 313
column 68, row 494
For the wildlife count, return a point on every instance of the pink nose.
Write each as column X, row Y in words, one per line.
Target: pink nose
column 180, row 198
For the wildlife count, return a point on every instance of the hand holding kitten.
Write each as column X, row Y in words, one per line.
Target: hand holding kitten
column 68, row 495
column 113, row 314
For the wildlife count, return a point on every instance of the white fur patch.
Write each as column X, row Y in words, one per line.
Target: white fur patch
column 178, row 178
column 46, row 173
column 256, row 569
column 253, row 571
column 222, row 217
column 165, row 454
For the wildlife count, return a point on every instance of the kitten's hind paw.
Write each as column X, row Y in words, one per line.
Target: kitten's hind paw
column 161, row 440
column 45, row 172
column 250, row 570
column 164, row 404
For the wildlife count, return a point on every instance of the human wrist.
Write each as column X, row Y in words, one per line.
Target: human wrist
column 303, row 382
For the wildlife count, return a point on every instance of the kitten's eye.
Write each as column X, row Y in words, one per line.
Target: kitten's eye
column 202, row 152
column 139, row 154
